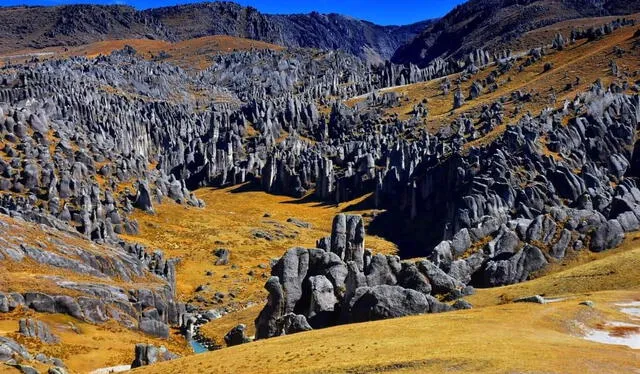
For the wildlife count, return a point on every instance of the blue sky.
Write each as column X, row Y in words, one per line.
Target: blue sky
column 384, row 12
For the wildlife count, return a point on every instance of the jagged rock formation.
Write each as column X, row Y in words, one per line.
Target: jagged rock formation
column 149, row 307
column 10, row 348
column 343, row 282
column 59, row 152
column 595, row 150
column 494, row 233
column 14, row 354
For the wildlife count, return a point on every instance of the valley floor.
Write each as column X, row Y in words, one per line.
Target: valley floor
column 253, row 225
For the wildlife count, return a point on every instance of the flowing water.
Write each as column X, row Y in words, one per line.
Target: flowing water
column 197, row 346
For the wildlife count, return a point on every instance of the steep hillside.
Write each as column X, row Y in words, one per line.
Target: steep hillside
column 314, row 30
column 72, row 25
column 491, row 25
column 39, row 27
column 96, row 300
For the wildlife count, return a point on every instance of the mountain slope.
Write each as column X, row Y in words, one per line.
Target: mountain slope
column 39, row 27
column 491, row 24
column 325, row 31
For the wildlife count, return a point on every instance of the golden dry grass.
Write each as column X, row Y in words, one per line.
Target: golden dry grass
column 502, row 338
column 499, row 339
column 192, row 54
column 217, row 329
column 85, row 347
column 229, row 221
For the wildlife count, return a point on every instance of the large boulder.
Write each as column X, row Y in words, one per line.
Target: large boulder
column 10, row 348
column 339, row 235
column 292, row 270
column 237, row 336
column 607, row 236
column 322, row 304
column 40, row 302
column 558, row 249
column 295, row 323
column 380, row 271
column 143, row 197
column 461, row 242
column 442, row 255
column 347, row 238
column 410, row 277
column 384, row 301
column 355, row 241
column 68, row 305
column 154, row 327
column 441, row 282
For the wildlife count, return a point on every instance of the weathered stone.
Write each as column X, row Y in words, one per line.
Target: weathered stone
column 441, row 282
column 237, row 336
column 147, row 354
column 295, row 323
column 320, row 312
column 154, row 328
column 384, row 301
column 268, row 321
column 36, row 329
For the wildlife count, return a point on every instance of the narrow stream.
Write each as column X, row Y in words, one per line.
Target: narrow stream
column 197, row 346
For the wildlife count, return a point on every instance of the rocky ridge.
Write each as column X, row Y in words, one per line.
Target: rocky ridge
column 492, row 24
column 38, row 27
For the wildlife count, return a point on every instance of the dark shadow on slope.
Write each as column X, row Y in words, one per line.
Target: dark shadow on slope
column 309, row 199
column 366, row 204
column 247, row 187
column 414, row 237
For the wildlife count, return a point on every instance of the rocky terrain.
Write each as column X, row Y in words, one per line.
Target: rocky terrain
column 149, row 189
